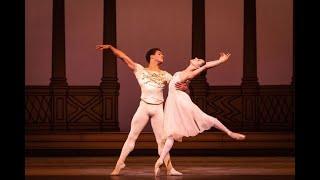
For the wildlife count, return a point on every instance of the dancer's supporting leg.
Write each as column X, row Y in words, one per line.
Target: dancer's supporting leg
column 138, row 122
column 165, row 151
column 157, row 126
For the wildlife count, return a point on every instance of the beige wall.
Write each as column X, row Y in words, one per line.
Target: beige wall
column 224, row 33
column 274, row 41
column 38, row 31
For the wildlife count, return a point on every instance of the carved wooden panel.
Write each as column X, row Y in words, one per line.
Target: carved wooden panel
column 225, row 104
column 87, row 108
column 226, row 108
column 249, row 111
column 271, row 109
column 75, row 108
column 276, row 108
column 38, row 114
column 84, row 108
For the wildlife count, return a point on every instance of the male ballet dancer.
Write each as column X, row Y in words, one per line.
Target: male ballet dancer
column 152, row 81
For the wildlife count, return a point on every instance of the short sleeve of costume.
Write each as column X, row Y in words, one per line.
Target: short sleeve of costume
column 138, row 70
column 168, row 77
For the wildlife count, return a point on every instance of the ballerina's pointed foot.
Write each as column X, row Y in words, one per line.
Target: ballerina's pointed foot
column 173, row 172
column 237, row 136
column 117, row 169
column 157, row 167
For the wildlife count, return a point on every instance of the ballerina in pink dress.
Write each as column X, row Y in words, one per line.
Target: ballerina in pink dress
column 183, row 118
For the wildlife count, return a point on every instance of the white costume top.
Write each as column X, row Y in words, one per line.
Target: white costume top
column 152, row 84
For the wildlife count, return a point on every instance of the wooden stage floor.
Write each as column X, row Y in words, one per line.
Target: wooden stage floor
column 141, row 167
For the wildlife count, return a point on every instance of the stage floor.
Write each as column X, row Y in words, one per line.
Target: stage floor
column 141, row 167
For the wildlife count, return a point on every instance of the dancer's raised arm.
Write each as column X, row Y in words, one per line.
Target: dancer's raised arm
column 223, row 58
column 131, row 64
column 198, row 65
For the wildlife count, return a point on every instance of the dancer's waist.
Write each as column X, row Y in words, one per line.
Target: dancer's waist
column 151, row 100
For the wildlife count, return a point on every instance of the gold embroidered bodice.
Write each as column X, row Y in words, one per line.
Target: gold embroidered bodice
column 152, row 84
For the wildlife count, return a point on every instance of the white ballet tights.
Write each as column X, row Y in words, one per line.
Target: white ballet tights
column 167, row 147
column 139, row 121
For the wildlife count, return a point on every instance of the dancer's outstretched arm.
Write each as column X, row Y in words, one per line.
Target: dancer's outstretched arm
column 188, row 76
column 131, row 64
column 223, row 58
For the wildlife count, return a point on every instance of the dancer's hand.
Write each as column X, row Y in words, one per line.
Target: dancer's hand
column 182, row 86
column 102, row 46
column 224, row 57
column 131, row 64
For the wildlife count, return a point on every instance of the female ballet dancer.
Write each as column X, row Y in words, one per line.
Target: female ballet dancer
column 183, row 118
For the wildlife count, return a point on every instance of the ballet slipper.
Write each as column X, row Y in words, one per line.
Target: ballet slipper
column 173, row 172
column 237, row 136
column 157, row 167
column 117, row 169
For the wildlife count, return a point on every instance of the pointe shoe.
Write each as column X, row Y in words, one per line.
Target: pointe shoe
column 117, row 169
column 173, row 172
column 237, row 136
column 157, row 167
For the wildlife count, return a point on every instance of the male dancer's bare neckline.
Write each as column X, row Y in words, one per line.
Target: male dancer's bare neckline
column 153, row 67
